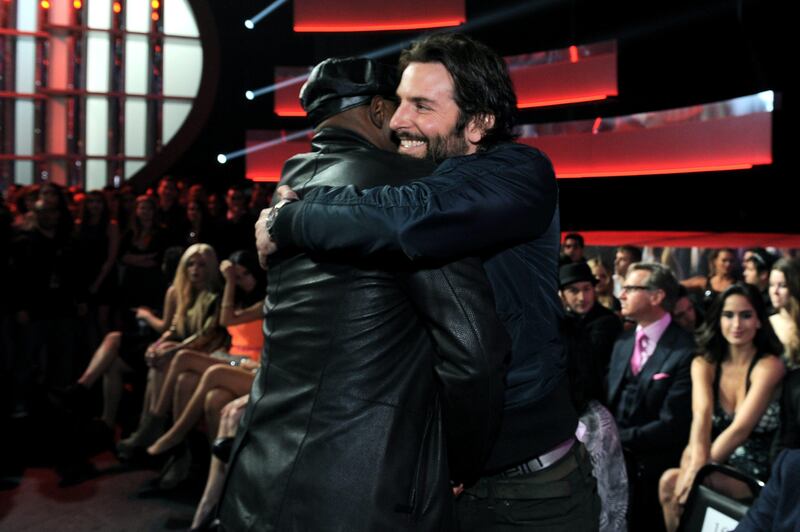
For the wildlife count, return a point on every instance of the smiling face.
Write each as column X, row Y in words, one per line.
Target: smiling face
column 738, row 321
column 426, row 121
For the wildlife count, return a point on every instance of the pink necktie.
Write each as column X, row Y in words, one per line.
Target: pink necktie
column 637, row 360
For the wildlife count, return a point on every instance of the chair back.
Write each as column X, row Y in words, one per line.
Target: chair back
column 719, row 498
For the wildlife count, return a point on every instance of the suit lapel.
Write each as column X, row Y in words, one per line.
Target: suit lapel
column 619, row 363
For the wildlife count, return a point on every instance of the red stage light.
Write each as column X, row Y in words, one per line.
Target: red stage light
column 154, row 16
column 117, row 7
column 333, row 28
column 573, row 54
column 560, row 101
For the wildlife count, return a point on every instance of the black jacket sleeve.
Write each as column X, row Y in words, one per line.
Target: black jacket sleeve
column 499, row 198
column 472, row 349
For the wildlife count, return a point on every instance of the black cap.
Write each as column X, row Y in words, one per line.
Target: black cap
column 575, row 273
column 338, row 84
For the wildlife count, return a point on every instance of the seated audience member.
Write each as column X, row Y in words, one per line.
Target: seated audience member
column 757, row 265
column 735, row 397
column 572, row 247
column 200, row 228
column 784, row 292
column 242, row 313
column 777, row 508
column 723, row 270
column 260, row 197
column 120, row 354
column 195, row 326
column 604, row 289
column 625, row 256
column 685, row 313
column 649, row 386
column 590, row 331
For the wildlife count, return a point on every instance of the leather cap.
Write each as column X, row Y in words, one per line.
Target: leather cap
column 338, row 84
column 575, row 273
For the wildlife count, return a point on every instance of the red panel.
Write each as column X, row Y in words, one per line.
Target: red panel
column 287, row 99
column 365, row 15
column 689, row 239
column 586, row 79
column 735, row 142
column 266, row 164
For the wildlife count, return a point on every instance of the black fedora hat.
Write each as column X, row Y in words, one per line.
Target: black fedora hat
column 338, row 84
column 574, row 273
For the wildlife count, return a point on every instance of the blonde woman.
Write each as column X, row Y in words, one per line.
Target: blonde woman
column 604, row 289
column 195, row 326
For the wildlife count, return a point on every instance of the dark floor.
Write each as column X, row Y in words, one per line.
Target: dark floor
column 107, row 502
column 119, row 497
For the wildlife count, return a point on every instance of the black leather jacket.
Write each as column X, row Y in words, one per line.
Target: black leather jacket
column 364, row 364
column 503, row 204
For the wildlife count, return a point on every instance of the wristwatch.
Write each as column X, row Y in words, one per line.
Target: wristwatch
column 273, row 215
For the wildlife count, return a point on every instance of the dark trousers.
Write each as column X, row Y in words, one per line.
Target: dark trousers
column 562, row 497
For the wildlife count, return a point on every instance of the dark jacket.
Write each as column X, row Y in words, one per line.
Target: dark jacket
column 369, row 369
column 657, row 428
column 789, row 431
column 589, row 339
column 503, row 204
column 777, row 508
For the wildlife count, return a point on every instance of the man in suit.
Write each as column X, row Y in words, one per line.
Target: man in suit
column 649, row 386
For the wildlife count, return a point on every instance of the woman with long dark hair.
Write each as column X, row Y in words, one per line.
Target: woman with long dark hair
column 735, row 396
column 784, row 293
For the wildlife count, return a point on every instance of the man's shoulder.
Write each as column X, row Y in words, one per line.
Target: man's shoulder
column 678, row 337
column 505, row 159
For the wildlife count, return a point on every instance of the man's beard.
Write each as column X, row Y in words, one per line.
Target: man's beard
column 443, row 147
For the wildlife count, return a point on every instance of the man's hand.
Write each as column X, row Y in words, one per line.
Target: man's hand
column 264, row 243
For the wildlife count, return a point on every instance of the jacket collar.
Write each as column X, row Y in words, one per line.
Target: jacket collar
column 337, row 135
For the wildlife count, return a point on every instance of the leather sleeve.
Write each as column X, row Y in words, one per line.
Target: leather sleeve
column 472, row 349
column 671, row 429
column 470, row 204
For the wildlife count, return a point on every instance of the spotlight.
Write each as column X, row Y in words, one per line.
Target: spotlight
column 263, row 13
column 45, row 4
column 77, row 4
column 249, row 95
column 221, row 159
column 117, row 8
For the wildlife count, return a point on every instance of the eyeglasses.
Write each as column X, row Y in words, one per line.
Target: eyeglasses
column 634, row 287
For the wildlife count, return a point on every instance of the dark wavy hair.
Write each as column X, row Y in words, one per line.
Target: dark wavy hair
column 713, row 346
column 482, row 85
column 249, row 261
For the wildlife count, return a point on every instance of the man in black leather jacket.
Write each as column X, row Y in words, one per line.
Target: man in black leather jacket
column 488, row 196
column 380, row 382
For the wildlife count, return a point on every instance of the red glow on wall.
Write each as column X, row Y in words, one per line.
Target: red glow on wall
column 364, row 15
column 592, row 78
column 688, row 239
column 287, row 99
column 266, row 165
column 730, row 143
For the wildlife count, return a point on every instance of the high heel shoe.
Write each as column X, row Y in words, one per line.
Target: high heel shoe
column 150, row 429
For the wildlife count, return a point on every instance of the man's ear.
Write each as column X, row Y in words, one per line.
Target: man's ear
column 657, row 297
column 379, row 111
column 477, row 127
